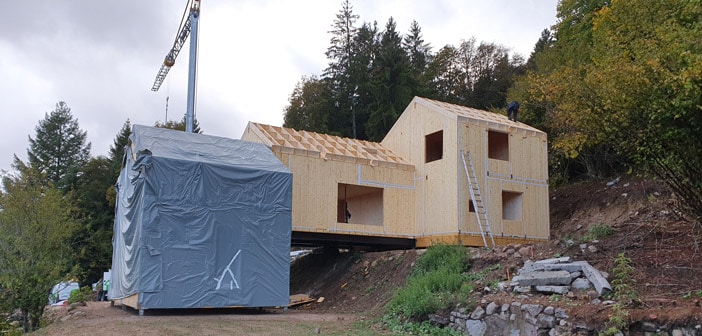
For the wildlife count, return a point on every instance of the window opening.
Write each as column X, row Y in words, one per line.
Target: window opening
column 511, row 205
column 359, row 204
column 498, row 145
column 434, row 146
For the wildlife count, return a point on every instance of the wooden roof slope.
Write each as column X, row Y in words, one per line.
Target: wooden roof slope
column 480, row 117
column 328, row 147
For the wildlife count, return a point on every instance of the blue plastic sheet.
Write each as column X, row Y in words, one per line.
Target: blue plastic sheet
column 201, row 221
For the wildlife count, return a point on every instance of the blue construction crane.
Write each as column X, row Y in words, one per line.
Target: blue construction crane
column 188, row 26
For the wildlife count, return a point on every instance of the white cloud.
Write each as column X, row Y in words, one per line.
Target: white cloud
column 102, row 57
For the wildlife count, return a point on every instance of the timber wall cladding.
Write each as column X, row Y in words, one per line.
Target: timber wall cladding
column 320, row 174
column 509, row 160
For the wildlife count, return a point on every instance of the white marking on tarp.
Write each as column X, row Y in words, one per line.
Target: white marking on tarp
column 228, row 269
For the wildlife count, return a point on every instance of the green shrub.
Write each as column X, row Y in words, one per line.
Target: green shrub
column 82, row 295
column 417, row 328
column 438, row 282
column 7, row 329
column 624, row 293
column 598, row 231
column 451, row 257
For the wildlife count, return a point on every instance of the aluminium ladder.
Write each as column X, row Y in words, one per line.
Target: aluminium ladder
column 480, row 209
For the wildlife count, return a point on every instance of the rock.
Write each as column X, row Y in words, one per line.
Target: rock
column 581, row 284
column 522, row 289
column 595, row 302
column 575, row 275
column 601, row 284
column 613, row 182
column 583, row 247
column 475, row 328
column 592, row 294
column 532, row 309
column 549, row 310
column 580, row 226
column 317, row 330
column 495, row 323
column 510, row 251
column 503, row 286
column 516, row 255
column 560, row 313
column 545, row 278
column 491, row 308
column 546, row 321
column 560, row 260
column 478, row 313
column 505, row 307
column 526, row 251
column 649, row 327
column 592, row 249
column 438, row 320
column 553, row 289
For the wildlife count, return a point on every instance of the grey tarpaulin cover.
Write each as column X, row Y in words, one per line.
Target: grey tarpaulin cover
column 201, row 221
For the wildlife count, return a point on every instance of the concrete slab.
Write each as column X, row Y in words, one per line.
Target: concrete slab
column 545, row 278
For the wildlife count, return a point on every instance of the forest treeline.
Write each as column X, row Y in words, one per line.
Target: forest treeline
column 617, row 86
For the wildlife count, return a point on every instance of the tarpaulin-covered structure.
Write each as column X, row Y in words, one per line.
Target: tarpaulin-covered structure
column 201, row 221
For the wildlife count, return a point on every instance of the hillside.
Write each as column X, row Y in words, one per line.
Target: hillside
column 355, row 286
column 663, row 246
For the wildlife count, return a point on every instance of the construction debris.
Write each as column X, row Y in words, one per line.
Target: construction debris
column 559, row 276
column 300, row 299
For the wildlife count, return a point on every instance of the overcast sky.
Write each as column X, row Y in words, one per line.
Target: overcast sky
column 101, row 57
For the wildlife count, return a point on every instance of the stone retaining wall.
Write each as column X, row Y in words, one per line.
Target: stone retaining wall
column 523, row 319
column 511, row 319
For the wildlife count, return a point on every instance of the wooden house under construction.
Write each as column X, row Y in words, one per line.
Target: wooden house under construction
column 443, row 174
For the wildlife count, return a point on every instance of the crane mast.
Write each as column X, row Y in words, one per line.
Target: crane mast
column 188, row 27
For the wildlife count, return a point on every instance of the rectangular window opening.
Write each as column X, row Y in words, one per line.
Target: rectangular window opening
column 471, row 207
column 498, row 145
column 359, row 205
column 434, row 146
column 511, row 205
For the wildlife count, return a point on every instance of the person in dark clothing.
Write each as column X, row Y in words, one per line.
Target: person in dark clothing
column 512, row 110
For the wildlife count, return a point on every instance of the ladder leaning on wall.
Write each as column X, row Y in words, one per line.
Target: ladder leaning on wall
column 476, row 198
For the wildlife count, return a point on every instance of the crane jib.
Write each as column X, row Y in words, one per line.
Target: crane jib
column 181, row 37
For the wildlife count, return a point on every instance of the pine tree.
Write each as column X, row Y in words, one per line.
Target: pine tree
column 92, row 241
column 179, row 125
column 339, row 53
column 419, row 55
column 116, row 153
column 390, row 84
column 59, row 149
column 366, row 46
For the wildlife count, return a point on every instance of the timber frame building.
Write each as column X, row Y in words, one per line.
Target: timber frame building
column 444, row 173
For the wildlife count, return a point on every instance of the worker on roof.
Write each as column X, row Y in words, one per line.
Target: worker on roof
column 512, row 110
